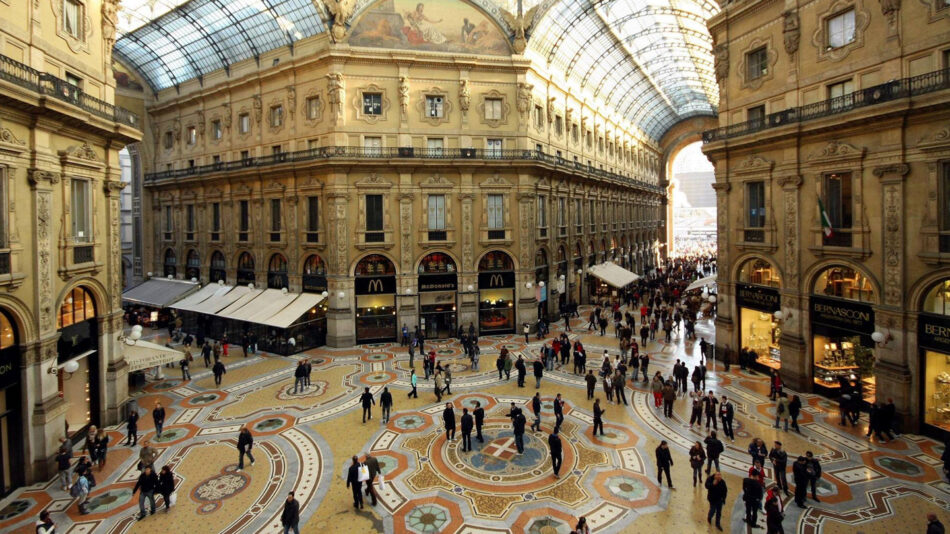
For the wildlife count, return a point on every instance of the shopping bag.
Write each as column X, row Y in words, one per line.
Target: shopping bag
column 173, row 498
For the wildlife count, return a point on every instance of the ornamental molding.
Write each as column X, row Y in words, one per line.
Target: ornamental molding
column 83, row 155
column 78, row 43
column 496, row 181
column 373, row 181
column 9, row 142
column 275, row 186
column 937, row 139
column 39, row 176
column 437, row 182
column 754, row 164
column 836, row 151
column 505, row 109
column 771, row 58
column 820, row 36
column 894, row 170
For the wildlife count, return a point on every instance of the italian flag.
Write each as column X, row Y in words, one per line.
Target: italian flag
column 825, row 220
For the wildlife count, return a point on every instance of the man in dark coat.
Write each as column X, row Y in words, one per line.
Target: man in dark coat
column 800, row 477
column 158, row 417
column 714, row 448
column 218, row 370
column 353, row 482
column 536, row 408
column 467, row 423
column 726, row 415
column 538, row 372
column 479, row 421
column 133, row 426
column 147, row 484
column 448, row 417
column 558, row 412
column 554, row 442
column 814, row 473
column 716, row 492
column 373, row 465
column 522, row 371
column 518, row 422
column 244, row 444
column 290, row 517
column 386, row 403
column 752, row 493
column 367, row 401
column 591, row 384
column 664, row 460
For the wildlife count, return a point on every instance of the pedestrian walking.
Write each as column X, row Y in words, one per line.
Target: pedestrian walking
column 101, row 445
column 300, row 376
column 467, row 422
column 146, row 486
column 526, row 330
column 80, row 490
column 657, row 388
column 558, row 412
column 522, row 371
column 218, row 370
column 355, row 476
column 814, row 473
column 800, row 477
column 372, row 465
column 781, row 409
column 290, row 516
column 448, row 417
column 536, row 409
column 132, row 425
column 711, row 405
column 591, row 384
column 779, row 459
column 500, row 362
column 716, row 492
column 63, row 459
column 664, row 460
column 158, row 417
column 538, row 372
column 414, row 380
column 147, row 456
column 598, row 418
column 934, row 526
column 437, row 382
column 45, row 524
column 726, row 415
column 386, row 404
column 758, row 452
column 554, row 443
column 773, row 514
column 244, row 445
column 518, row 423
column 184, row 364
column 367, row 401
column 166, row 486
column 714, row 448
column 794, row 409
column 479, row 414
column 697, row 457
column 752, row 493
column 669, row 395
column 619, row 387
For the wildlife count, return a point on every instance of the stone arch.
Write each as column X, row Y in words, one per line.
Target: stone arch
column 810, row 276
column 418, row 262
column 22, row 317
column 920, row 288
column 740, row 261
column 512, row 257
column 354, row 263
column 95, row 288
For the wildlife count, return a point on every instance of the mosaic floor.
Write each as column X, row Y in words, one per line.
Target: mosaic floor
column 303, row 443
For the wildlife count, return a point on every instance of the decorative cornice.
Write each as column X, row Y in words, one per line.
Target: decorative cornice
column 7, row 137
column 837, row 151
column 38, row 176
column 722, row 187
column 792, row 181
column 81, row 155
column 892, row 171
column 754, row 164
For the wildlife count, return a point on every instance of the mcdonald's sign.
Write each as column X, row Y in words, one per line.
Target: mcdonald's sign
column 375, row 285
column 491, row 280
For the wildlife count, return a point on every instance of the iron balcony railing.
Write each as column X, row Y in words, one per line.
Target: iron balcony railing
column 46, row 84
column 878, row 94
column 343, row 152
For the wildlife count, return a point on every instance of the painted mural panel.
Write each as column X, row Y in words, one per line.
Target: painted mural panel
column 435, row 25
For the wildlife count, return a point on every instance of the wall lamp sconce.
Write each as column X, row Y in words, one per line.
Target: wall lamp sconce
column 783, row 315
column 68, row 368
column 881, row 339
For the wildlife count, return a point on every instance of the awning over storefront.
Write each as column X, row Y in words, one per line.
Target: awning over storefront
column 220, row 301
column 237, row 308
column 301, row 305
column 702, row 282
column 159, row 292
column 188, row 303
column 143, row 355
column 613, row 274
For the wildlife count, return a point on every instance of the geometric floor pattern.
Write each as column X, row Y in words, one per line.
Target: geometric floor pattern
column 303, row 443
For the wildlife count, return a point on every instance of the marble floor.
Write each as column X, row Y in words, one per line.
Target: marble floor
column 304, row 441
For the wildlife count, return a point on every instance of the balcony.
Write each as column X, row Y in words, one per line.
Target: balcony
column 396, row 154
column 46, row 84
column 878, row 94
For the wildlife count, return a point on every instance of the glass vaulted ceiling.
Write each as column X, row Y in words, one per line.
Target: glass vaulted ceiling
column 649, row 60
column 195, row 38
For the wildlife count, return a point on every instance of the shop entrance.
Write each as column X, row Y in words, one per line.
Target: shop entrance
column 757, row 300
column 79, row 342
column 11, row 450
column 376, row 318
column 438, row 286
column 496, row 294
column 933, row 341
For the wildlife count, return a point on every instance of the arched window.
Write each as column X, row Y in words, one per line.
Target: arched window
column 170, row 263
column 245, row 270
column 192, row 264
column 375, row 265
column 277, row 272
column 937, row 299
column 218, row 267
column 496, row 260
column 437, row 262
column 759, row 272
column 8, row 333
column 541, row 266
column 844, row 282
column 314, row 265
column 77, row 307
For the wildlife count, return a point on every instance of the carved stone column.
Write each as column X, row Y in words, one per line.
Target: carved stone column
column 725, row 330
column 42, row 184
column 341, row 329
column 408, row 288
column 527, row 302
column 468, row 309
column 796, row 371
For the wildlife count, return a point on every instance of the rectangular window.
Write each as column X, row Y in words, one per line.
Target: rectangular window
column 192, row 135
column 434, row 106
column 840, row 29
column 434, row 147
column 275, row 219
column 190, row 220
column 539, row 117
column 558, row 125
column 81, row 210
column 73, row 18
column 244, row 123
column 578, row 214
column 374, row 219
column 216, row 159
column 168, row 222
column 372, row 104
column 216, row 132
column 944, row 215
column 436, row 218
column 244, row 220
column 837, row 188
column 757, row 63
column 574, row 134
column 493, row 108
column 275, row 150
column 756, row 116
column 841, row 95
column 276, row 116
column 755, row 211
column 4, row 196
column 562, row 216
column 169, row 139
column 373, row 146
column 495, row 208
column 215, row 221
column 493, row 148
column 590, row 214
column 313, row 108
column 313, row 144
column 191, row 164
column 542, row 216
column 313, row 219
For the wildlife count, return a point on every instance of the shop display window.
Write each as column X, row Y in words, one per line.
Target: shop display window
column 842, row 361
column 846, row 283
column 496, row 310
column 937, row 389
column 376, row 316
column 760, row 333
column 759, row 272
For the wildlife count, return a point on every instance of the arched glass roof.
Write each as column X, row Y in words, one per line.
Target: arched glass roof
column 201, row 36
column 649, row 60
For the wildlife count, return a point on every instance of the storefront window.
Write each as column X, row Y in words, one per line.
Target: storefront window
column 937, row 300
column 277, row 272
column 218, row 271
column 170, row 263
column 438, row 283
column 79, row 341
column 375, row 299
column 933, row 338
column 314, row 274
column 496, row 288
column 845, row 283
column 192, row 265
column 759, row 272
column 245, row 269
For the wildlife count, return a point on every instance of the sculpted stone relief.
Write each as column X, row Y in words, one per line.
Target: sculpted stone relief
column 791, row 32
column 43, row 247
column 790, row 185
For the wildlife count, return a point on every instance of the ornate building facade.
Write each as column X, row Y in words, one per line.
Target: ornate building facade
column 832, row 168
column 417, row 185
column 60, row 264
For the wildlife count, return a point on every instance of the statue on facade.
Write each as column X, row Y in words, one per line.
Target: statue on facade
column 340, row 10
column 465, row 96
column 791, row 31
column 258, row 108
column 227, row 116
column 110, row 18
column 520, row 25
column 721, row 57
column 335, row 92
column 404, row 96
column 524, row 97
column 291, row 100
